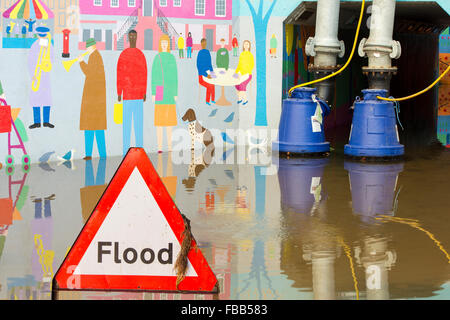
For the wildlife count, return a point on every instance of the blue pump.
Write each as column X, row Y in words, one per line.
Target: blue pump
column 374, row 131
column 301, row 128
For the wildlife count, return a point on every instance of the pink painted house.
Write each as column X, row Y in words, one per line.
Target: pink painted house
column 210, row 19
column 108, row 21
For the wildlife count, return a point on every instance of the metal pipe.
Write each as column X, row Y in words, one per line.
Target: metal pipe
column 380, row 48
column 326, row 43
column 325, row 46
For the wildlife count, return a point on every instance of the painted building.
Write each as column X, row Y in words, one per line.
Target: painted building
column 103, row 20
column 210, row 19
column 67, row 14
column 108, row 21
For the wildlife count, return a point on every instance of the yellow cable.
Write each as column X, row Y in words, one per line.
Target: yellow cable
column 415, row 224
column 349, row 256
column 420, row 92
column 348, row 61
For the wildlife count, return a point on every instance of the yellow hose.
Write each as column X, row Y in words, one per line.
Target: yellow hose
column 349, row 256
column 418, row 93
column 348, row 61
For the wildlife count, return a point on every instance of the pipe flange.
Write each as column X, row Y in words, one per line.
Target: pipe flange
column 396, row 50
column 386, row 70
column 342, row 49
column 309, row 47
column 323, row 69
column 361, row 51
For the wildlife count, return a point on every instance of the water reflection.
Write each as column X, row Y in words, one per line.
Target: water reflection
column 93, row 187
column 301, row 184
column 373, row 188
column 377, row 259
column 292, row 229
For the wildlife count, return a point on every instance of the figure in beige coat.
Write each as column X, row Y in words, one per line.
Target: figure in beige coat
column 93, row 105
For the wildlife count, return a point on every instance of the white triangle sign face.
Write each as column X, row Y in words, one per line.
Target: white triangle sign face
column 153, row 246
column 132, row 239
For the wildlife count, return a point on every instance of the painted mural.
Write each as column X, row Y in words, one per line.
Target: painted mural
column 22, row 20
column 443, row 127
column 118, row 74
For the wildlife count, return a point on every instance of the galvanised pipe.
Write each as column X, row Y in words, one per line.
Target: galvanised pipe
column 380, row 44
column 380, row 48
column 325, row 46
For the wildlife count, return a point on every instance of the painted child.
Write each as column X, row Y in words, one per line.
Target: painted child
column 222, row 56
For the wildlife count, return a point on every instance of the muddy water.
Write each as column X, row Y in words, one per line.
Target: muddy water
column 287, row 229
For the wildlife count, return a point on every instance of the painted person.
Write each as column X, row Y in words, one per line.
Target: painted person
column 132, row 88
column 93, row 105
column 181, row 46
column 41, row 93
column 164, row 91
column 30, row 23
column 24, row 31
column 189, row 44
column 235, row 45
column 8, row 31
column 205, row 69
column 222, row 56
column 273, row 46
column 245, row 66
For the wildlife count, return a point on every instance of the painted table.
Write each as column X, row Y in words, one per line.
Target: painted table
column 224, row 78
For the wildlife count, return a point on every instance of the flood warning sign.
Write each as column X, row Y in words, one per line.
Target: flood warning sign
column 132, row 239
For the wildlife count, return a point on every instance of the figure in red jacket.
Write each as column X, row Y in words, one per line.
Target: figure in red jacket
column 132, row 88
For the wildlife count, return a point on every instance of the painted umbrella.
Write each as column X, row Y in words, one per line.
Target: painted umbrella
column 26, row 9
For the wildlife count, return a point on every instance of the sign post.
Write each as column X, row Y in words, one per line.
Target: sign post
column 133, row 238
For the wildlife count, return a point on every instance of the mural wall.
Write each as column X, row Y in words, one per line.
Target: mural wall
column 443, row 129
column 88, row 79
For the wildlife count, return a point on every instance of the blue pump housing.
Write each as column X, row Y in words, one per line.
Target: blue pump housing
column 374, row 130
column 297, row 134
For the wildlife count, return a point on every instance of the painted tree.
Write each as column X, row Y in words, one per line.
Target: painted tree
column 260, row 21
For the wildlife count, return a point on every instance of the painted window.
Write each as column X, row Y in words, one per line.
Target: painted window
column 98, row 35
column 86, row 34
column 221, row 8
column 132, row 3
column 114, row 3
column 98, row 3
column 177, row 3
column 200, row 7
column 163, row 3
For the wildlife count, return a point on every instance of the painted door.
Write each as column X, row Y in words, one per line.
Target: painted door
column 148, row 8
column 209, row 35
column 108, row 39
column 148, row 39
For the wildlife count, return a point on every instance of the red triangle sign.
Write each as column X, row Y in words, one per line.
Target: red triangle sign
column 132, row 238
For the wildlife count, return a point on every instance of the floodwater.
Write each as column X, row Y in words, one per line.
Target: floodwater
column 288, row 229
